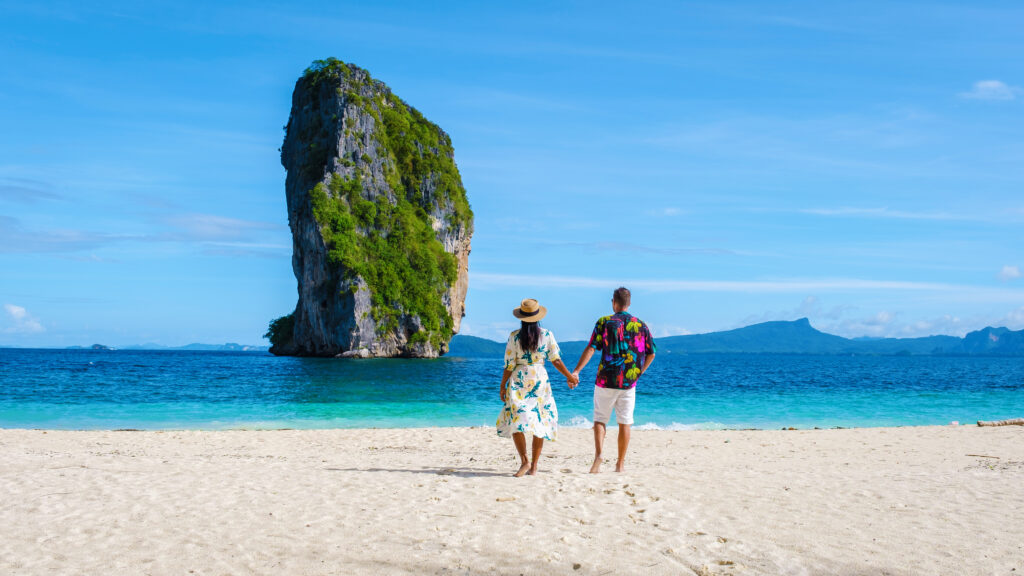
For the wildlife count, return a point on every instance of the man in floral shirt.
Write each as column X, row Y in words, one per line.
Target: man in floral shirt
column 627, row 350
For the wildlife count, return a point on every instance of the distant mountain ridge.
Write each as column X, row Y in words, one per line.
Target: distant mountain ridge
column 796, row 337
column 228, row 347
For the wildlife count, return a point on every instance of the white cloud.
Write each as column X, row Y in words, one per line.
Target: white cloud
column 991, row 90
column 23, row 322
column 497, row 331
column 886, row 324
column 25, row 190
column 605, row 246
column 1014, row 320
column 810, row 308
column 1008, row 273
column 882, row 324
column 881, row 319
column 16, row 312
column 672, row 211
column 211, row 227
column 665, row 331
column 884, row 213
column 216, row 234
column 773, row 286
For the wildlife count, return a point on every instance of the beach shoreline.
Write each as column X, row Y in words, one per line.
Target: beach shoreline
column 907, row 500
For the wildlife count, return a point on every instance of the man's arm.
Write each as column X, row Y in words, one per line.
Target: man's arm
column 588, row 352
column 647, row 363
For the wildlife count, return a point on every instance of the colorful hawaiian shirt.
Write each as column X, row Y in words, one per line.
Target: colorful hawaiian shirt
column 624, row 343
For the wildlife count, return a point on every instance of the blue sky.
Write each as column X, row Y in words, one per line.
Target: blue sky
column 730, row 162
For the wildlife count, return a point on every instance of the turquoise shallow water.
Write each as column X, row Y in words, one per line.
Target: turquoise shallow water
column 84, row 389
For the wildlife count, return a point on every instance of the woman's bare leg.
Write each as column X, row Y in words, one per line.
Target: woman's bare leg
column 538, row 445
column 519, row 439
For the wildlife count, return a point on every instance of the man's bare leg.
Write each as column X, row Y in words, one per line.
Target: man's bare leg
column 599, row 430
column 519, row 439
column 623, row 446
column 538, row 445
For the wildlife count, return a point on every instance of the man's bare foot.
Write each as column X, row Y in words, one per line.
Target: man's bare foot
column 620, row 466
column 523, row 468
column 596, row 466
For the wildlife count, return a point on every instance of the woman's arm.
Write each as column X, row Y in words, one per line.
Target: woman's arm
column 569, row 376
column 504, row 379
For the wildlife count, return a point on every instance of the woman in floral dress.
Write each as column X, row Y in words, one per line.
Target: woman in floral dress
column 525, row 388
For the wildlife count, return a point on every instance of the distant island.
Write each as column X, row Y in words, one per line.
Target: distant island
column 93, row 347
column 228, row 347
column 794, row 337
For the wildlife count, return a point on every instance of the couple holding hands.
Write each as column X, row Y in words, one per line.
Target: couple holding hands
column 627, row 350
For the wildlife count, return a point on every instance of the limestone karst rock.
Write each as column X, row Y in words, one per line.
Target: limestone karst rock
column 380, row 222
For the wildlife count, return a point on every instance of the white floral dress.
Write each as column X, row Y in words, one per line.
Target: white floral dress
column 529, row 405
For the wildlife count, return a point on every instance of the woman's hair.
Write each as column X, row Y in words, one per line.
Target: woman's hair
column 529, row 336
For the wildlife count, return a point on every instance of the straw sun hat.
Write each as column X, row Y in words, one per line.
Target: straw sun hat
column 530, row 311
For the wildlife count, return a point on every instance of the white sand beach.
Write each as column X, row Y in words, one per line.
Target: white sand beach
column 918, row 500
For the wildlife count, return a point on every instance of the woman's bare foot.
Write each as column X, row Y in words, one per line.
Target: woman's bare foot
column 620, row 466
column 533, row 470
column 523, row 468
column 596, row 466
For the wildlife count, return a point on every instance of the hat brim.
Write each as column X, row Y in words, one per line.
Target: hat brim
column 518, row 313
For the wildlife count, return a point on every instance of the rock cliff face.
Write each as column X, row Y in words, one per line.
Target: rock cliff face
column 380, row 222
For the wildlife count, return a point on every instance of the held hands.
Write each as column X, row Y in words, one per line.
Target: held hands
column 573, row 379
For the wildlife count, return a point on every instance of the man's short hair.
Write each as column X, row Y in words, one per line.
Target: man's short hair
column 621, row 296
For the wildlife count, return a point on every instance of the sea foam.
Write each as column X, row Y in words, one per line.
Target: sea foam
column 584, row 422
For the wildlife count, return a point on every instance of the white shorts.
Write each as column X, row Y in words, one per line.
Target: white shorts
column 621, row 400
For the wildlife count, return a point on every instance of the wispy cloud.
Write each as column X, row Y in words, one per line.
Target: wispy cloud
column 830, row 144
column 663, row 330
column 774, row 286
column 895, row 324
column 86, row 258
column 667, row 212
column 489, row 98
column 991, row 90
column 1014, row 320
column 941, row 292
column 16, row 239
column 214, row 234
column 21, row 321
column 884, row 323
column 26, row 191
column 884, row 213
column 497, row 331
column 801, row 23
column 211, row 227
column 1009, row 273
column 810, row 307
column 641, row 249
column 879, row 325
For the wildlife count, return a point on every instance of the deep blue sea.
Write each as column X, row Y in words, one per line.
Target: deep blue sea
column 85, row 389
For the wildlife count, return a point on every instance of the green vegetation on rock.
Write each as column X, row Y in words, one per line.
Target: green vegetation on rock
column 393, row 249
column 418, row 149
column 279, row 332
